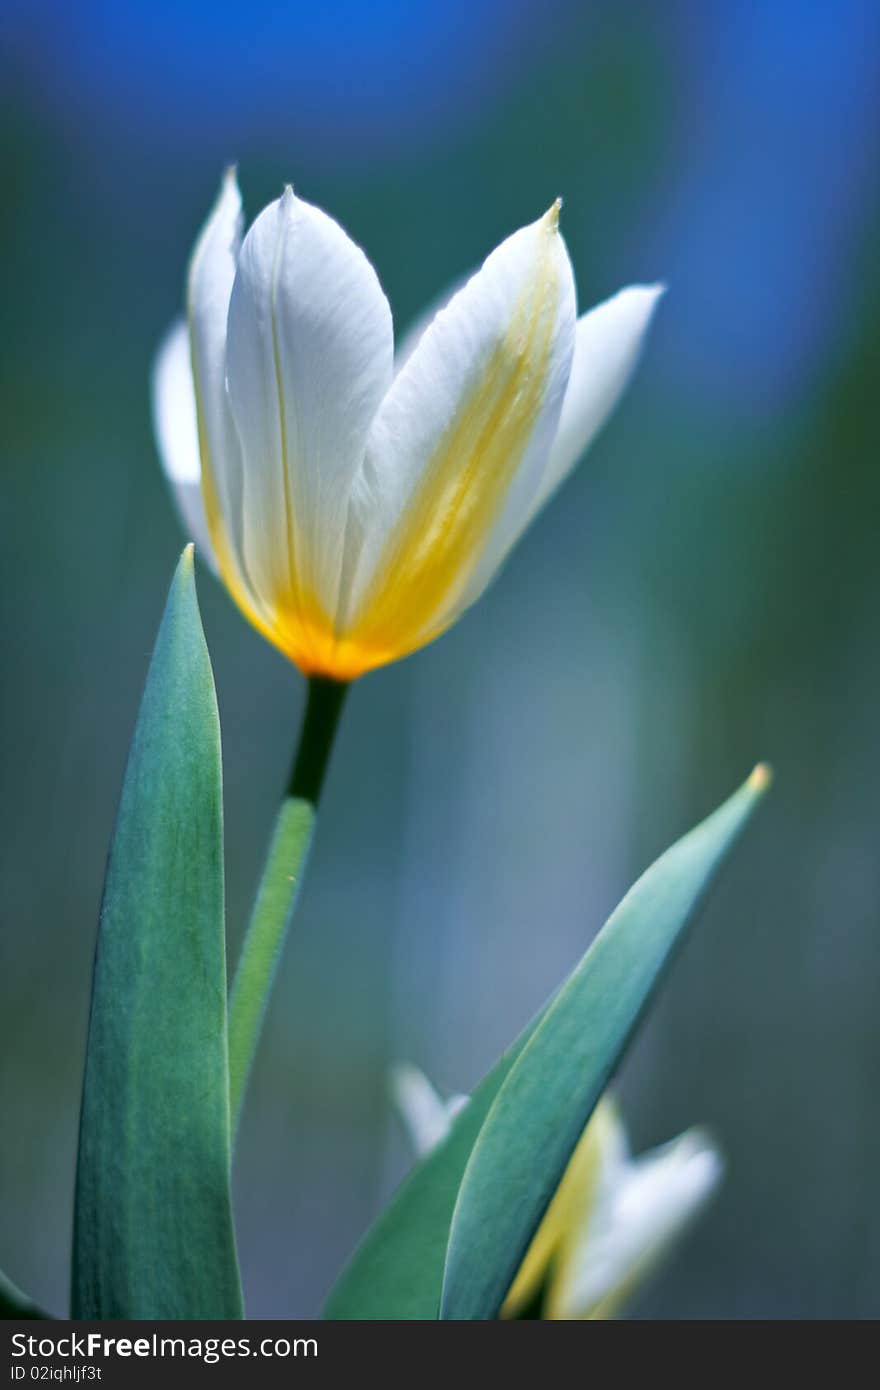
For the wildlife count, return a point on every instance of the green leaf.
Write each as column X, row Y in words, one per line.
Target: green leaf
column 540, row 1112
column 153, row 1234
column 396, row 1273
column 16, row 1305
column 397, row 1270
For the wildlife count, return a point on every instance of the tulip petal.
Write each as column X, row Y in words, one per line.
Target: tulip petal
column 211, row 274
column 608, row 341
column 176, row 428
column 457, row 451
column 426, row 1116
column 641, row 1206
column 309, row 358
column 174, row 407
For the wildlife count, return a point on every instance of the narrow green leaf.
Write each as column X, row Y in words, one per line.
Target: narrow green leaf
column 15, row 1305
column 549, row 1094
column 153, row 1234
column 397, row 1270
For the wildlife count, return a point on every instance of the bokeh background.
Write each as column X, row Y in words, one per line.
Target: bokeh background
column 705, row 592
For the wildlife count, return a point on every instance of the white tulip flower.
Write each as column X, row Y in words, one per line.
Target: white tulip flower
column 354, row 512
column 612, row 1218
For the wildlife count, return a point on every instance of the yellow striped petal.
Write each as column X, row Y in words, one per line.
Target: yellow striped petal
column 640, row 1207
column 456, row 453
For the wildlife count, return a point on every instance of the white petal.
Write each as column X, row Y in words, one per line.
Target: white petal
column 309, row 358
column 636, row 1217
column 608, row 341
column 177, row 435
column 174, row 407
column 426, row 1116
column 456, row 454
column 211, row 273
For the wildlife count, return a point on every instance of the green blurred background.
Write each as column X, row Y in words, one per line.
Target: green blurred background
column 703, row 594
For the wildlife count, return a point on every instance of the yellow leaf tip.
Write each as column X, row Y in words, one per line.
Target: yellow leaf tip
column 761, row 778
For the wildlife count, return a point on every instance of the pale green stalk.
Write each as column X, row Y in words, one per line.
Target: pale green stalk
column 280, row 885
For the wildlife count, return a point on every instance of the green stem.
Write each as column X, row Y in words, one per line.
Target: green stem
column 279, row 886
column 323, row 708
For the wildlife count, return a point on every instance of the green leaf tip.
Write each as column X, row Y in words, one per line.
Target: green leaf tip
column 396, row 1272
column 540, row 1111
column 153, row 1233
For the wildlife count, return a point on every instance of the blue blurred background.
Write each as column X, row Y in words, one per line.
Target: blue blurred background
column 706, row 594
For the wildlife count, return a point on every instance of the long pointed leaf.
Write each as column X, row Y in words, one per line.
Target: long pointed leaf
column 549, row 1094
column 397, row 1270
column 153, row 1235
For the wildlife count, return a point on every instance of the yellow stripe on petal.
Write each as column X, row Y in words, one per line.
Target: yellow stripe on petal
column 305, row 633
column 437, row 542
